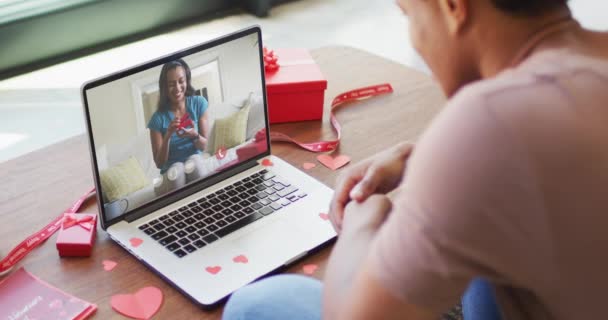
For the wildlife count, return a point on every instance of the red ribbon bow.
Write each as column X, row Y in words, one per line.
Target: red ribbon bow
column 70, row 220
column 185, row 121
column 270, row 60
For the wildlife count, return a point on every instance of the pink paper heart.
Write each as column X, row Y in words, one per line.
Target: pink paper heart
column 136, row 242
column 141, row 305
column 333, row 163
column 240, row 259
column 308, row 165
column 214, row 270
column 310, row 268
column 267, row 163
column 324, row 216
column 108, row 265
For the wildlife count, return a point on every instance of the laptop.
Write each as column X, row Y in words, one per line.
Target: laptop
column 184, row 173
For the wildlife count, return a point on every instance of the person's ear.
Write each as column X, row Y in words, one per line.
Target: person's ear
column 455, row 14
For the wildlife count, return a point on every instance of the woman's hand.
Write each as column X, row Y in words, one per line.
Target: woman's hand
column 187, row 133
column 378, row 174
column 173, row 127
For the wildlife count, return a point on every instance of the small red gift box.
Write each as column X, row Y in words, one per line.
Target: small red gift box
column 77, row 235
column 296, row 89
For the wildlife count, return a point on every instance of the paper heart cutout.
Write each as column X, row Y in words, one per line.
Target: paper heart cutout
column 333, row 163
column 310, row 268
column 324, row 216
column 141, row 305
column 108, row 265
column 267, row 163
column 214, row 270
column 136, row 242
column 240, row 259
column 308, row 165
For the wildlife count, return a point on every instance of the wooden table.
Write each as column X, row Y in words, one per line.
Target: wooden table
column 38, row 186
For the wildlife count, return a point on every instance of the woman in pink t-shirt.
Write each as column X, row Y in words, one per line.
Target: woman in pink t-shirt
column 503, row 199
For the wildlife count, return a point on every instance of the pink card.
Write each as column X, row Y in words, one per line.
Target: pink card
column 23, row 296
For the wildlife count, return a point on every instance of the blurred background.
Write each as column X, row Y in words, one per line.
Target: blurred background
column 51, row 47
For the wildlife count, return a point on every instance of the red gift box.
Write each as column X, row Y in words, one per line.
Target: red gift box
column 296, row 89
column 77, row 235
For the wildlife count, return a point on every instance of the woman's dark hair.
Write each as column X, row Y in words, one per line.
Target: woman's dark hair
column 163, row 100
column 528, row 7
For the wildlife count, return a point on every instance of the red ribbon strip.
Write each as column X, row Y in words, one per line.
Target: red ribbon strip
column 341, row 99
column 31, row 242
column 70, row 220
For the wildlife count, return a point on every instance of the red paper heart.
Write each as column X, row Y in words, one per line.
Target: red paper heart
column 310, row 268
column 214, row 270
column 141, row 305
column 136, row 242
column 324, row 216
column 240, row 259
column 108, row 265
column 308, row 165
column 333, row 163
column 267, row 163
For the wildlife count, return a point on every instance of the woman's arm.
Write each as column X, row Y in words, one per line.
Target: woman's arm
column 160, row 143
column 200, row 142
column 160, row 147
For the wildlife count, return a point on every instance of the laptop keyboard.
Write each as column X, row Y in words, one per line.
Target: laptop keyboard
column 216, row 215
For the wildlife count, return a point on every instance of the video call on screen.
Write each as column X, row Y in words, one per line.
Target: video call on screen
column 158, row 130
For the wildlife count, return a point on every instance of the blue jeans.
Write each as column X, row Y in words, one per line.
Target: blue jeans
column 296, row 297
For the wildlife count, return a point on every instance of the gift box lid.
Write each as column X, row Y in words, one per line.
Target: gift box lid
column 297, row 72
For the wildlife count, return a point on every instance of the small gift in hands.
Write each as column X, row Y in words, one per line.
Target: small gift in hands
column 184, row 123
column 77, row 235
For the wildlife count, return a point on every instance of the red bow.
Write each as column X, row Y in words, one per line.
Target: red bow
column 70, row 220
column 185, row 121
column 270, row 61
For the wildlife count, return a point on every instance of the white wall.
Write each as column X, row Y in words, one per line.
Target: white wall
column 113, row 113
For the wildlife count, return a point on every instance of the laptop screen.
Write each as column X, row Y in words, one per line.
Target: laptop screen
column 176, row 122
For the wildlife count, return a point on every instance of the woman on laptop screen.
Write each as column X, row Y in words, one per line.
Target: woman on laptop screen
column 179, row 128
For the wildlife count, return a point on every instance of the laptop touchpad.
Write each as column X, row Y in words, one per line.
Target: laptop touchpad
column 274, row 243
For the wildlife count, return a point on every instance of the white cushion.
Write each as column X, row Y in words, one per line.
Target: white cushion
column 255, row 121
column 138, row 147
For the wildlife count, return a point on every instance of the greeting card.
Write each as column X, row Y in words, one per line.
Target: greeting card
column 25, row 297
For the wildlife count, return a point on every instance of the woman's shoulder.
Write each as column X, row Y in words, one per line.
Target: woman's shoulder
column 158, row 115
column 196, row 102
column 156, row 120
column 196, row 99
